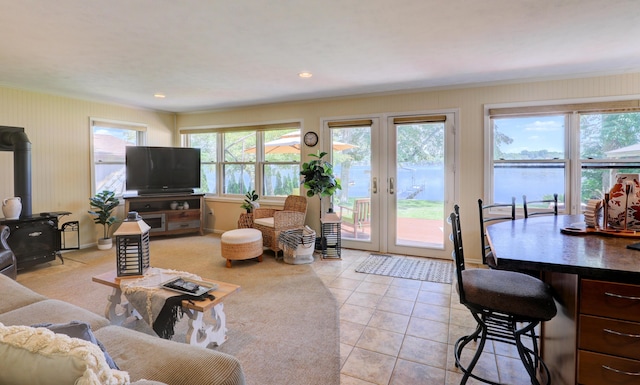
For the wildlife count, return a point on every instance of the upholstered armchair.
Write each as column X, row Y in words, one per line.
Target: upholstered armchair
column 8, row 264
column 271, row 221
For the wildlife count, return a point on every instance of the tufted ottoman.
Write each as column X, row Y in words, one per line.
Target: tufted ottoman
column 241, row 244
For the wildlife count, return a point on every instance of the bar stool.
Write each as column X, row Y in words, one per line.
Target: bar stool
column 506, row 305
column 487, row 255
column 551, row 209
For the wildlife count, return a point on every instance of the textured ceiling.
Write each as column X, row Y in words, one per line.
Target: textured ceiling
column 208, row 54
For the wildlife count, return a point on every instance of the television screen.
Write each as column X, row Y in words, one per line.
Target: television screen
column 162, row 169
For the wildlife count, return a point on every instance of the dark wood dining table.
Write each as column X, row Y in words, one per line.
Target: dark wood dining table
column 565, row 261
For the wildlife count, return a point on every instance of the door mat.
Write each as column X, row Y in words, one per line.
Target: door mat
column 406, row 267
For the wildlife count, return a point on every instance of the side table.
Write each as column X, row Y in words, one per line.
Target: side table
column 245, row 221
column 200, row 332
column 330, row 235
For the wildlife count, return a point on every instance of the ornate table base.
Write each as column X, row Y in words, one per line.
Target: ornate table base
column 201, row 332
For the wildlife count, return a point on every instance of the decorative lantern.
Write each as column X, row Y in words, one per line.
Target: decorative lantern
column 132, row 246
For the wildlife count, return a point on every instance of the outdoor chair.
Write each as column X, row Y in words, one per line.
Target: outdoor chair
column 271, row 221
column 357, row 216
column 550, row 209
column 507, row 307
column 486, row 218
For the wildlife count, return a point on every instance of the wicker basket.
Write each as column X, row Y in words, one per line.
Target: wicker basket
column 298, row 245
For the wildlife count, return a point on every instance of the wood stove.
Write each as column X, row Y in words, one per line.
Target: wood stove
column 37, row 239
column 34, row 239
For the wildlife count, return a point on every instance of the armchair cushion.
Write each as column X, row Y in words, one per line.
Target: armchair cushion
column 267, row 222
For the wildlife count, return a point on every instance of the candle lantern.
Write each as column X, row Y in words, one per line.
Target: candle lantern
column 132, row 246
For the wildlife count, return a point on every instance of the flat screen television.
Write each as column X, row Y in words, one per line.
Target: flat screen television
column 154, row 170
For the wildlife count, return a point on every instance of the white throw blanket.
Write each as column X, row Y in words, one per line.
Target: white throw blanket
column 146, row 294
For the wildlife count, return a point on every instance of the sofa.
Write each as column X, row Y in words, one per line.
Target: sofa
column 8, row 264
column 27, row 348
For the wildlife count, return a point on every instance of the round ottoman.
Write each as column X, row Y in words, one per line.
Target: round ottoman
column 241, row 244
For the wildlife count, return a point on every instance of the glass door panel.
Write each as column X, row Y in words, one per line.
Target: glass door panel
column 419, row 187
column 352, row 159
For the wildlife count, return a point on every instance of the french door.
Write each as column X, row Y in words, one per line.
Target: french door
column 397, row 176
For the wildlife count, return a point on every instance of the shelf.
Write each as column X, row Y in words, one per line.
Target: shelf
column 157, row 212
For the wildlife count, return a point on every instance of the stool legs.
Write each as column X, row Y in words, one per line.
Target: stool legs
column 507, row 331
column 229, row 261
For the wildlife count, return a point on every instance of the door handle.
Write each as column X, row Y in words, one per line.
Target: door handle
column 374, row 187
column 391, row 186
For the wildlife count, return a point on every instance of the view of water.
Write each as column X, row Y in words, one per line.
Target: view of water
column 426, row 183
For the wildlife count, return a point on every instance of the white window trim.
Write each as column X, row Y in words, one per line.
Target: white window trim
column 219, row 195
column 572, row 177
column 141, row 139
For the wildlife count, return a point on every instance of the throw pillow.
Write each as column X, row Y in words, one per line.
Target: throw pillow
column 38, row 356
column 82, row 330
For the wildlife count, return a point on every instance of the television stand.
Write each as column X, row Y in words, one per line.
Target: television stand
column 159, row 213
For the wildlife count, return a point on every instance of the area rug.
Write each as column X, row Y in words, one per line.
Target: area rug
column 407, row 267
column 283, row 324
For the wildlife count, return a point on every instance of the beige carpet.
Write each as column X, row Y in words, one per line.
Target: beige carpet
column 283, row 324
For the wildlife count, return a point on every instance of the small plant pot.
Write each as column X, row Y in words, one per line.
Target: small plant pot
column 105, row 243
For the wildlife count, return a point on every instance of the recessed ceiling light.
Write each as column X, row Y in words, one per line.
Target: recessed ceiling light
column 305, row 74
column 159, row 96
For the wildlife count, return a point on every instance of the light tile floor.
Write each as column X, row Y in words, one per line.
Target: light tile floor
column 397, row 331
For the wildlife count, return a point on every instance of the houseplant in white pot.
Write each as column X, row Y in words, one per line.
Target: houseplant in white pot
column 250, row 201
column 103, row 204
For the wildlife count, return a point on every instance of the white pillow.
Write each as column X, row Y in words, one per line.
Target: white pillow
column 38, row 356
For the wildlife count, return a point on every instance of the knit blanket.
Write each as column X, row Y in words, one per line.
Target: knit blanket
column 159, row 307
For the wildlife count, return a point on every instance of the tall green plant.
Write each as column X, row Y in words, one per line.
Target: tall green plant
column 318, row 177
column 104, row 203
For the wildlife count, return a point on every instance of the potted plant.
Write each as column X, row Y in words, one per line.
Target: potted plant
column 318, row 178
column 104, row 203
column 250, row 201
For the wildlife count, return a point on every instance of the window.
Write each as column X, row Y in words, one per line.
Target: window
column 109, row 140
column 574, row 150
column 265, row 158
column 529, row 157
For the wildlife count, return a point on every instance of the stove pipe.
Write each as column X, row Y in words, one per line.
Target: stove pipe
column 14, row 139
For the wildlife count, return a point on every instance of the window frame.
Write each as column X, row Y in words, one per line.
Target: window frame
column 140, row 130
column 573, row 162
column 259, row 164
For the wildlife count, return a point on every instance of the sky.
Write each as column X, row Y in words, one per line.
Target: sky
column 533, row 133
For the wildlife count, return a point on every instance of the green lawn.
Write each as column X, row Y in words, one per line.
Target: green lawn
column 410, row 208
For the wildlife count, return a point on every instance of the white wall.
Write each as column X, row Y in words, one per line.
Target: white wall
column 58, row 128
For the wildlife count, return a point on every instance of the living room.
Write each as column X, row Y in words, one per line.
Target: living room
column 58, row 126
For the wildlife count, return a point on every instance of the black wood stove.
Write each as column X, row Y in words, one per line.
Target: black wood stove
column 34, row 239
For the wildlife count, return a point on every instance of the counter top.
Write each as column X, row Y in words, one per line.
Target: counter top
column 537, row 243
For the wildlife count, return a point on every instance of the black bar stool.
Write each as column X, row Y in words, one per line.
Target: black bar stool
column 485, row 218
column 506, row 305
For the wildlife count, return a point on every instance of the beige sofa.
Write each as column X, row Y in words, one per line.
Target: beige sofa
column 141, row 358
